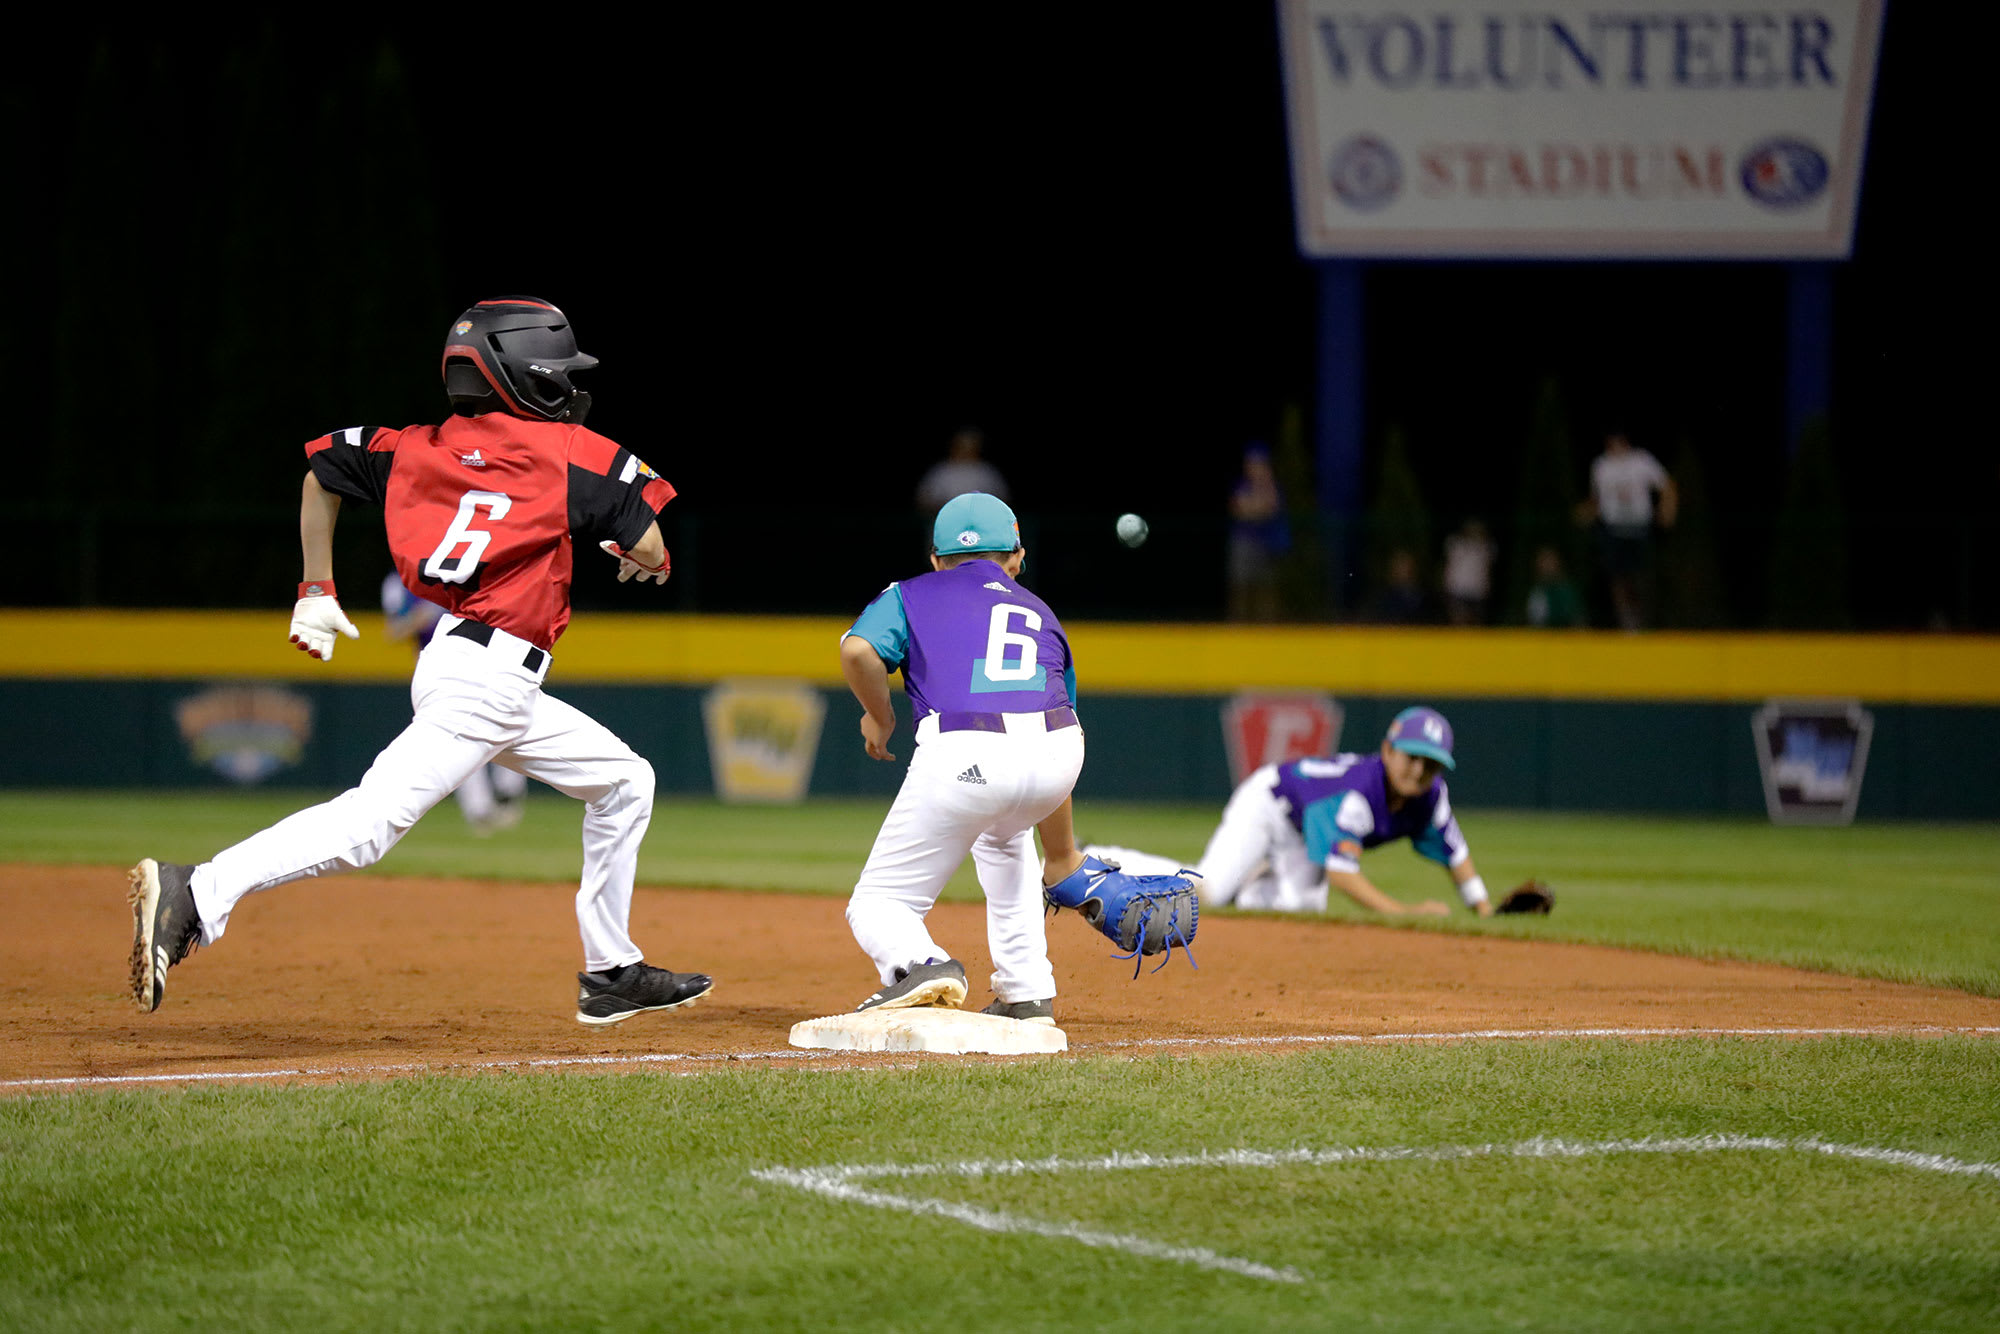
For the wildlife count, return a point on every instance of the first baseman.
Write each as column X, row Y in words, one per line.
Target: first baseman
column 1292, row 830
column 481, row 513
column 998, row 749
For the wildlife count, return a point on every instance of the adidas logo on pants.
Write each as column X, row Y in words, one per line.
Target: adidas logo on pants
column 972, row 775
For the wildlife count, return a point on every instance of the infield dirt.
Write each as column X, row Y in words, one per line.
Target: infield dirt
column 361, row 975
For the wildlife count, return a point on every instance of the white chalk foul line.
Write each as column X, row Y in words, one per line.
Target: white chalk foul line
column 1539, row 1147
column 788, row 1054
column 841, row 1181
column 1343, row 1039
column 836, row 1187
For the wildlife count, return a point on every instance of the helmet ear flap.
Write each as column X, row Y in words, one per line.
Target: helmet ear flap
column 470, row 392
column 537, row 389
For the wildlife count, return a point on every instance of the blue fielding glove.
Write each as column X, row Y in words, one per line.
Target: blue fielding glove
column 1142, row 914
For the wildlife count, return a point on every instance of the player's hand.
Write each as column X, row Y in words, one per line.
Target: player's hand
column 629, row 568
column 875, row 737
column 316, row 618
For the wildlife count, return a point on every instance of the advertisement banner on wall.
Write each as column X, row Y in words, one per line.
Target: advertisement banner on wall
column 762, row 738
column 1577, row 128
column 246, row 733
column 1260, row 729
column 1813, row 753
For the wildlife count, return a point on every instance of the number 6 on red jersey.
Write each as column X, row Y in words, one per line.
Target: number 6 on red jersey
column 451, row 565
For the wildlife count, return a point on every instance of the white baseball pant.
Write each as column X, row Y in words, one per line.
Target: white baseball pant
column 480, row 795
column 1256, row 858
column 977, row 792
column 475, row 704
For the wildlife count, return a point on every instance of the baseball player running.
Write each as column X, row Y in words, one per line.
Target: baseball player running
column 494, row 796
column 1291, row 830
column 480, row 514
column 998, row 749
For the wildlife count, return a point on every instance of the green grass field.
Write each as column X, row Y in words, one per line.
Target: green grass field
column 1908, row 902
column 1683, row 1184
column 594, row 1202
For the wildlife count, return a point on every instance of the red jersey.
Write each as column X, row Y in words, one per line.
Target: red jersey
column 483, row 512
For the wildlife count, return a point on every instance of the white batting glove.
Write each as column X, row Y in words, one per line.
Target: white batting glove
column 317, row 617
column 629, row 568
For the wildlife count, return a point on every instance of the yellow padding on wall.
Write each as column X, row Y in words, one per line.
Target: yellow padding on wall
column 1135, row 658
column 1539, row 663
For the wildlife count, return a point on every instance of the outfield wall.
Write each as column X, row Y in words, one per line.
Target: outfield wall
column 1565, row 720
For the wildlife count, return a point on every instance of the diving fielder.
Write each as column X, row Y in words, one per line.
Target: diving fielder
column 1292, row 830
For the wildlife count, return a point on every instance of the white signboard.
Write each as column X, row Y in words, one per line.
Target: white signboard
column 1478, row 128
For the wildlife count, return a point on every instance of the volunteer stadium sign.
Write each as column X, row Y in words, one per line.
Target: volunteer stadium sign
column 1566, row 128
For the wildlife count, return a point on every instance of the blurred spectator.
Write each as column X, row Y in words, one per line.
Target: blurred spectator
column 1623, row 481
column 1468, row 574
column 1258, row 536
column 1553, row 602
column 1401, row 601
column 962, row 469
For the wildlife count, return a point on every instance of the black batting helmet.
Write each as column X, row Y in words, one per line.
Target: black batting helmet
column 514, row 354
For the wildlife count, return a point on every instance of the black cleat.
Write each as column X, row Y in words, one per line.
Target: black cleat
column 165, row 926
column 926, row 984
column 640, row 987
column 1028, row 1012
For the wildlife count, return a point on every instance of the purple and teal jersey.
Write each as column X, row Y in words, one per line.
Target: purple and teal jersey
column 1341, row 804
column 970, row 638
column 419, row 617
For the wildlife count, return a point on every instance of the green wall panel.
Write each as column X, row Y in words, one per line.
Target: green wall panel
column 1926, row 762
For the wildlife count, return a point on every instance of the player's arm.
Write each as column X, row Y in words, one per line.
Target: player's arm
column 875, row 645
column 401, row 625
column 317, row 616
column 616, row 499
column 1471, row 889
column 1060, row 855
column 319, row 510
column 1358, row 887
column 647, row 558
column 1442, row 841
column 1670, row 500
column 409, row 624
column 354, row 464
column 868, row 677
column 651, row 550
column 1334, row 829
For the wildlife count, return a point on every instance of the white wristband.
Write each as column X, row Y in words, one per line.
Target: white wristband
column 1473, row 892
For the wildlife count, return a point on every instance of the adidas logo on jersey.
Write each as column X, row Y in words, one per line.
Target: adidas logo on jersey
column 997, row 587
column 472, row 460
column 973, row 775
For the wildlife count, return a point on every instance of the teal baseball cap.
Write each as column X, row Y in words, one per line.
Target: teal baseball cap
column 975, row 521
column 1424, row 732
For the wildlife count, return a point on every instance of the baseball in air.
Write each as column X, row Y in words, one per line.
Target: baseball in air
column 1132, row 530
